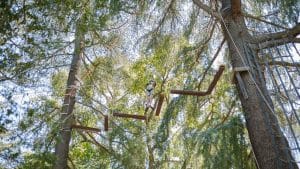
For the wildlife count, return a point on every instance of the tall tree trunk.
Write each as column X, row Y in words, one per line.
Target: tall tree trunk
column 66, row 117
column 270, row 147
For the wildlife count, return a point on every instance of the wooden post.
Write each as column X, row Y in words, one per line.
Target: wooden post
column 105, row 123
column 160, row 102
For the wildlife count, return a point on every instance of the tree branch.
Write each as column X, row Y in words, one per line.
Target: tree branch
column 289, row 36
column 211, row 62
column 278, row 42
column 92, row 140
column 161, row 21
column 283, row 63
column 205, row 41
column 72, row 163
column 207, row 9
column 97, row 143
column 262, row 20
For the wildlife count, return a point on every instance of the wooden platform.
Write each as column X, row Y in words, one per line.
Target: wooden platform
column 123, row 115
column 90, row 129
column 202, row 93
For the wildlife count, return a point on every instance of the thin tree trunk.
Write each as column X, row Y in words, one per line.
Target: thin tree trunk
column 151, row 157
column 270, row 147
column 66, row 117
column 150, row 148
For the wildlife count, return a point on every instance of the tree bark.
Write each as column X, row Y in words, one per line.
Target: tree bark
column 289, row 33
column 270, row 147
column 66, row 118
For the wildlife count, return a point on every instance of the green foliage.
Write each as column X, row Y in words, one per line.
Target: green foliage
column 6, row 16
column 163, row 132
column 35, row 44
column 224, row 146
column 288, row 9
column 86, row 155
column 58, row 83
column 38, row 160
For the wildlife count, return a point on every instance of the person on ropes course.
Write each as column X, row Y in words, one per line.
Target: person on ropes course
column 149, row 94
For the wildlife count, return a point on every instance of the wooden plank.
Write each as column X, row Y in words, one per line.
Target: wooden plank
column 189, row 92
column 201, row 93
column 242, row 85
column 241, row 69
column 91, row 129
column 106, row 123
column 159, row 104
column 123, row 115
column 216, row 79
